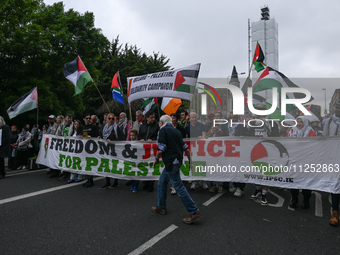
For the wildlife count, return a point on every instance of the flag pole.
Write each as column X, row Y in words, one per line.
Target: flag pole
column 37, row 116
column 101, row 96
column 95, row 85
column 130, row 115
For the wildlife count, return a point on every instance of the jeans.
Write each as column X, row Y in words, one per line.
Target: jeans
column 176, row 182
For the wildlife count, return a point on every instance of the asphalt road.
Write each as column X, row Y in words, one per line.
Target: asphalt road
column 70, row 219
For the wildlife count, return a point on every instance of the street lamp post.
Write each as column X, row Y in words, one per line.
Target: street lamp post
column 325, row 102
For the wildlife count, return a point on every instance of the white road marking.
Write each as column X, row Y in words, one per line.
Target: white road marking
column 36, row 193
column 318, row 204
column 25, row 172
column 153, row 240
column 280, row 201
column 213, row 199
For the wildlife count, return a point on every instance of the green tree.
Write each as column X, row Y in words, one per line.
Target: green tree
column 36, row 40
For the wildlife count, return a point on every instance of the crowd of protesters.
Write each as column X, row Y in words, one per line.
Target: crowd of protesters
column 19, row 146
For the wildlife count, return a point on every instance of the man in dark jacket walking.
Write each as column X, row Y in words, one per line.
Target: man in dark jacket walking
column 171, row 146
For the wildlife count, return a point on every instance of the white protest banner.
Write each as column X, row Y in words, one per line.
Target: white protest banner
column 179, row 83
column 301, row 163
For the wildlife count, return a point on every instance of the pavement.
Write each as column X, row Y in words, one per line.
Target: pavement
column 41, row 215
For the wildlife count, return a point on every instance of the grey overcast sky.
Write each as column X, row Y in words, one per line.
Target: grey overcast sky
column 215, row 33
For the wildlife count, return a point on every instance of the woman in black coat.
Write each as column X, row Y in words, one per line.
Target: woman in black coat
column 12, row 161
column 5, row 145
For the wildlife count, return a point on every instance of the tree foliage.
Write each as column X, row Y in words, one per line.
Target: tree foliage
column 36, row 40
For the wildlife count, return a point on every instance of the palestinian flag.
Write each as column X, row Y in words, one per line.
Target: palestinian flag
column 315, row 115
column 27, row 102
column 77, row 73
column 150, row 104
column 186, row 79
column 170, row 105
column 259, row 61
column 269, row 79
column 117, row 89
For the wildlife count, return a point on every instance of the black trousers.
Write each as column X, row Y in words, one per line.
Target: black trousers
column 306, row 193
column 2, row 166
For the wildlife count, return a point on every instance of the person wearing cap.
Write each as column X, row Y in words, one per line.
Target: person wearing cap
column 262, row 128
column 332, row 128
column 5, row 145
column 52, row 125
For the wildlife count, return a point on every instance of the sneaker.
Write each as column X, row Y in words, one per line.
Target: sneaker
column 70, row 181
column 204, row 185
column 114, row 185
column 106, row 186
column 238, row 192
column 23, row 167
column 172, row 191
column 192, row 218
column 20, row 167
column 135, row 189
column 232, row 189
column 132, row 187
column 193, row 186
column 256, row 194
column 77, row 180
column 264, row 200
column 156, row 209
column 213, row 189
column 220, row 189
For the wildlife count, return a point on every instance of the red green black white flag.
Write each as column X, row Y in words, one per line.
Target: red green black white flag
column 259, row 60
column 77, row 73
column 27, row 102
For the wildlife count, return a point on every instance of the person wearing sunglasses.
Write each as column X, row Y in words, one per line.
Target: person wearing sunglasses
column 111, row 132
